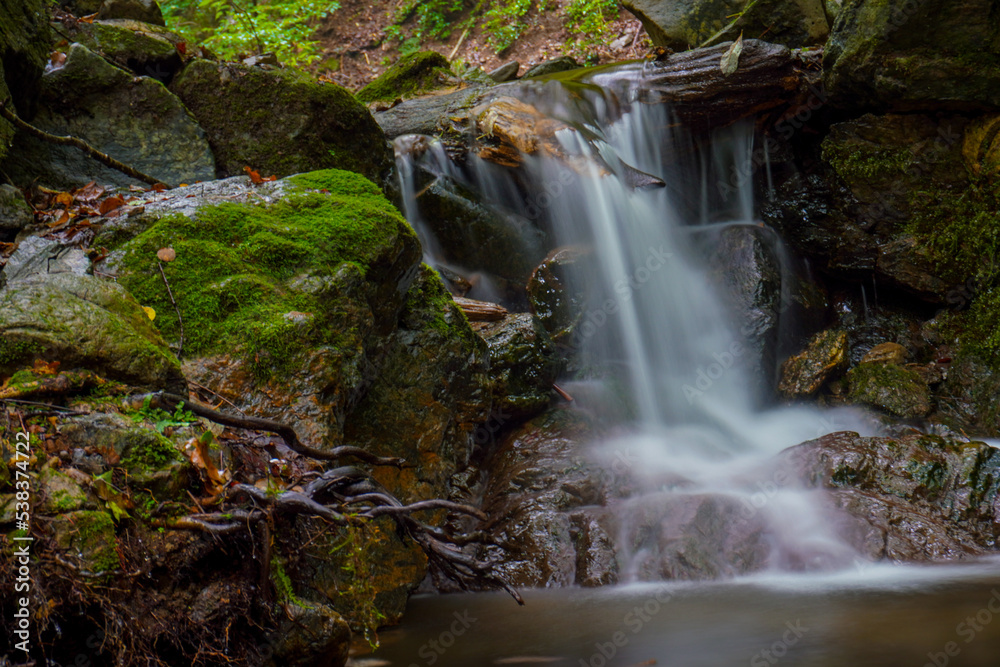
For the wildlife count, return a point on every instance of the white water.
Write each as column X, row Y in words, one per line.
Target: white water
column 656, row 326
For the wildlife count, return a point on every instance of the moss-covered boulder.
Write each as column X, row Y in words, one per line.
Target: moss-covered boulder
column 25, row 42
column 687, row 24
column 310, row 634
column 284, row 291
column 553, row 66
column 147, row 11
column 898, row 390
column 15, row 213
column 59, row 493
column 281, row 121
column 803, row 374
column 557, row 293
column 85, row 322
column 88, row 537
column 85, row 98
column 410, row 76
column 908, row 56
column 145, row 49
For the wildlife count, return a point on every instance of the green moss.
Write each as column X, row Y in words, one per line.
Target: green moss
column 146, row 449
column 853, row 163
column 892, row 388
column 430, row 304
column 233, row 261
column 412, row 75
column 12, row 351
column 928, row 474
column 95, row 539
column 845, row 475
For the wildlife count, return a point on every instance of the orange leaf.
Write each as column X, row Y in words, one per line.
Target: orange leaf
column 63, row 219
column 41, row 367
column 110, row 204
column 182, row 48
column 254, row 176
column 64, row 198
column 159, row 187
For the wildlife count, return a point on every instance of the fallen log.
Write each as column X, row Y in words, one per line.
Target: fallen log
column 480, row 311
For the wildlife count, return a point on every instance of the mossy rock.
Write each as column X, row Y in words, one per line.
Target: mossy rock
column 25, row 43
column 937, row 54
column 281, row 121
column 145, row 49
column 803, row 374
column 84, row 322
column 89, row 538
column 85, row 98
column 410, row 76
column 897, row 390
column 61, row 493
column 265, row 280
column 523, row 365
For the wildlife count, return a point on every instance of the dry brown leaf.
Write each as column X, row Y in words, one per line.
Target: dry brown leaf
column 111, row 204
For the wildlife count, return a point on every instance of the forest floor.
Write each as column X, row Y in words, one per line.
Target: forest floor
column 355, row 36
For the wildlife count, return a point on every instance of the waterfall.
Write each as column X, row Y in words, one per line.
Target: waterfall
column 657, row 330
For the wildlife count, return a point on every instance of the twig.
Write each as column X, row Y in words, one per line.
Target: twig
column 180, row 322
column 57, row 408
column 103, row 158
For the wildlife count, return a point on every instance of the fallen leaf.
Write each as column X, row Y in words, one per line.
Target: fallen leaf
column 41, row 367
column 731, row 58
column 63, row 219
column 111, row 204
column 159, row 187
column 150, row 313
column 182, row 48
column 254, row 176
column 88, row 193
column 166, row 254
column 88, row 19
column 64, row 199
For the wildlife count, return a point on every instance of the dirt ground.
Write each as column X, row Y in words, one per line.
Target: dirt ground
column 354, row 35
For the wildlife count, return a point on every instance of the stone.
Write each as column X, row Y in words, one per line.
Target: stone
column 88, row 537
column 971, row 393
column 83, row 322
column 897, row 390
column 15, row 212
column 553, row 66
column 557, row 290
column 690, row 23
column 311, row 634
column 475, row 236
column 886, row 353
column 281, row 122
column 84, row 98
column 914, row 56
column 60, row 493
column 144, row 49
column 412, row 75
column 25, row 43
column 523, row 364
column 147, row 11
column 803, row 374
column 506, row 72
column 36, row 255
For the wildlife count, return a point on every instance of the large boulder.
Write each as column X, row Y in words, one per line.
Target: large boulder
column 24, row 49
column 412, row 75
column 147, row 11
column 687, row 24
column 145, row 49
column 84, row 98
column 281, row 121
column 917, row 55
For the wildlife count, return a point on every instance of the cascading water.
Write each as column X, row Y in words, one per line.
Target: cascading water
column 656, row 327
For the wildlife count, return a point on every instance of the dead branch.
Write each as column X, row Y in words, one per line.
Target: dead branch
column 76, row 142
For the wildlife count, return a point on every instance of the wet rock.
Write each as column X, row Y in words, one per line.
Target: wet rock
column 309, row 635
column 557, row 290
column 84, row 98
column 539, row 482
column 505, row 72
column 804, row 373
column 281, row 122
column 60, row 493
column 523, row 364
column 923, row 496
column 886, row 353
column 38, row 256
column 930, row 55
column 147, row 11
column 476, row 236
column 411, row 75
column 25, row 43
column 596, row 564
column 897, row 390
column 85, row 322
column 554, row 66
column 685, row 25
column 15, row 213
column 429, row 392
column 969, row 398
column 139, row 47
column 743, row 261
column 88, row 538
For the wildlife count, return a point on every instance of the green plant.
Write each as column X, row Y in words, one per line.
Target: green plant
column 231, row 27
column 161, row 418
column 505, row 22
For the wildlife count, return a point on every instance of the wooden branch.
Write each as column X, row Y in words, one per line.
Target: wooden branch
column 480, row 311
column 169, row 402
column 76, row 142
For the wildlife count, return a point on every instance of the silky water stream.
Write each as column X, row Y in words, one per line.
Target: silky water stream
column 662, row 343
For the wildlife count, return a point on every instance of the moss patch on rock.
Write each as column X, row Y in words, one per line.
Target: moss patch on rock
column 232, row 277
column 895, row 389
column 412, row 75
column 90, row 537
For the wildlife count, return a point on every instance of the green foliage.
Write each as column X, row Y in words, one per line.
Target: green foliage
column 432, row 19
column 589, row 20
column 359, row 584
column 161, row 418
column 231, row 28
column 505, row 22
